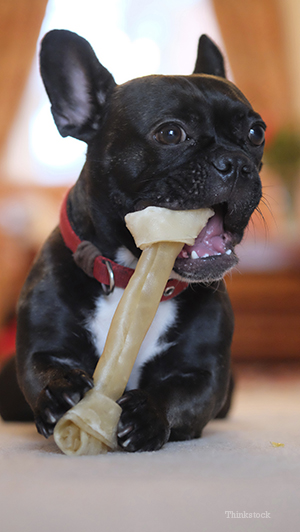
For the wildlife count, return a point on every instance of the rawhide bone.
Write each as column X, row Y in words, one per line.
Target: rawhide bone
column 89, row 428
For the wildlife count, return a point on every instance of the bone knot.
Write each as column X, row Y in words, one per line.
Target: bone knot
column 85, row 256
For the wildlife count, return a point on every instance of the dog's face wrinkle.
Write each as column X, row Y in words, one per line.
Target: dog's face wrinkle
column 196, row 183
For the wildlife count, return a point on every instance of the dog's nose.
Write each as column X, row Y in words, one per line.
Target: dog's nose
column 228, row 165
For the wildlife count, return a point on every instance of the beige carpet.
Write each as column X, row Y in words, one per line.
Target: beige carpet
column 233, row 479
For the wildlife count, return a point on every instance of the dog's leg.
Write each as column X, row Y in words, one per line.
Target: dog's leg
column 173, row 407
column 55, row 353
column 227, row 405
column 185, row 387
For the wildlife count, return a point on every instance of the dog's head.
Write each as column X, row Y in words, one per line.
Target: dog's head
column 182, row 142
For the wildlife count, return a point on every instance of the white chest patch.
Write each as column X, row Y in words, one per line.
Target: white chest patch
column 100, row 321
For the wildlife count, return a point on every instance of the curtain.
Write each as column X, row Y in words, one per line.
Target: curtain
column 20, row 22
column 253, row 35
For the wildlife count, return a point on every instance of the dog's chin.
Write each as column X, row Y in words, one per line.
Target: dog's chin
column 204, row 270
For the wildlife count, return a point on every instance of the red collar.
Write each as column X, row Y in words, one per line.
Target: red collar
column 106, row 271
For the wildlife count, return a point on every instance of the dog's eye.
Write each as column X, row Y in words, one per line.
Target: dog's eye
column 256, row 135
column 170, row 134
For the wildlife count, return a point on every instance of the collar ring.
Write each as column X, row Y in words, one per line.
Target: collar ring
column 109, row 289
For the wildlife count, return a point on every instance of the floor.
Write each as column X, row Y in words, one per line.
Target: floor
column 236, row 477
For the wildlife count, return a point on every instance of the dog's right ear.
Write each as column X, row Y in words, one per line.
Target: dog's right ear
column 209, row 58
column 78, row 85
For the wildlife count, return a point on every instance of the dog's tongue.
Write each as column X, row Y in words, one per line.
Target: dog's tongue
column 211, row 241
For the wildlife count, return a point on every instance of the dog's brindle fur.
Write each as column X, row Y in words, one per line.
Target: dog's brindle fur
column 182, row 142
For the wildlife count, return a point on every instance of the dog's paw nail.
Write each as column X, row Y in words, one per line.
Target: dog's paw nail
column 89, row 381
column 123, row 400
column 126, row 443
column 50, row 416
column 43, row 431
column 73, row 399
column 124, row 432
column 48, row 394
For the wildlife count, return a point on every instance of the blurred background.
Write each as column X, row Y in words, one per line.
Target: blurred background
column 261, row 43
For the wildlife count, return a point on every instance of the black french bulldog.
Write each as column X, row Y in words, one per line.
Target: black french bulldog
column 181, row 142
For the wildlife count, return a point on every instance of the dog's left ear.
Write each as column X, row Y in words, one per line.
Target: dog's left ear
column 78, row 86
column 209, row 58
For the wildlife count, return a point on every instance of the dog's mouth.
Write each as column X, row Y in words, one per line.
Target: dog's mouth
column 211, row 242
column 212, row 253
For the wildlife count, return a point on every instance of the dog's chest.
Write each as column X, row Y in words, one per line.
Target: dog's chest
column 98, row 325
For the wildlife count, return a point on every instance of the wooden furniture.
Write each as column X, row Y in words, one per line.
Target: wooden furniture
column 267, row 315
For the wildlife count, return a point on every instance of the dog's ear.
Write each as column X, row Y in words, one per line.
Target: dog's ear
column 78, row 85
column 209, row 58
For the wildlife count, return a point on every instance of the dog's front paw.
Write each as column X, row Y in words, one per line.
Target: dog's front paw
column 142, row 427
column 59, row 396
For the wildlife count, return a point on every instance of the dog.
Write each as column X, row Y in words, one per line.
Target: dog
column 180, row 142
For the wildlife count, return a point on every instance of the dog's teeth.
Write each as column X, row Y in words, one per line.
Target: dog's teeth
column 205, row 256
column 229, row 251
column 194, row 255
